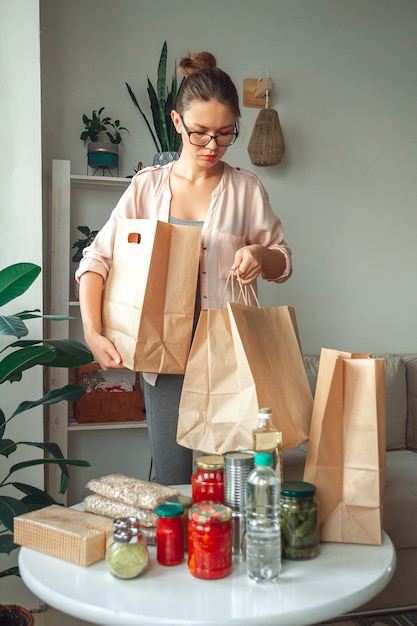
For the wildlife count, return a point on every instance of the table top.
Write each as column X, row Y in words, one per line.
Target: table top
column 340, row 579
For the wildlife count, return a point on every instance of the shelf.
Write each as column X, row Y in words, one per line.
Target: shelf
column 106, row 183
column 73, row 425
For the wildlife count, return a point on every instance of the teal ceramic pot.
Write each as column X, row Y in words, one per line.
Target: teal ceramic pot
column 103, row 154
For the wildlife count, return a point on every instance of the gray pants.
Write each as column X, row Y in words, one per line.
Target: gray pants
column 172, row 464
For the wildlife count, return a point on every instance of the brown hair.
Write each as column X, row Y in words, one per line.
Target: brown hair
column 205, row 81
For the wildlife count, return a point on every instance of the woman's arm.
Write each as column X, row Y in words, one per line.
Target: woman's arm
column 252, row 260
column 91, row 295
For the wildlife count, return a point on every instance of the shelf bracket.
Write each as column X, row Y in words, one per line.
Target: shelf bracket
column 254, row 92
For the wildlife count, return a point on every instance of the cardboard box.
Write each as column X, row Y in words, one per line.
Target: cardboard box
column 67, row 534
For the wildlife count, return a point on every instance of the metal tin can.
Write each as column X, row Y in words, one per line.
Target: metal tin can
column 237, row 466
column 210, row 540
column 299, row 520
column 207, row 482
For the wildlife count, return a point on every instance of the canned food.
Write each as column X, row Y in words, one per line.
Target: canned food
column 210, row 540
column 207, row 482
column 299, row 520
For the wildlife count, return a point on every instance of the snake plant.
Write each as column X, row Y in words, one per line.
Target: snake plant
column 162, row 101
column 22, row 355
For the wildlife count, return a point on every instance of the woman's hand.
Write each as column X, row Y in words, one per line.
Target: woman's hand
column 251, row 260
column 248, row 262
column 104, row 352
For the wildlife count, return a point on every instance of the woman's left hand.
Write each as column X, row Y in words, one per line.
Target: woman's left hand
column 248, row 262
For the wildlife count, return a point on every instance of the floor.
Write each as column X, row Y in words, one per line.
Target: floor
column 51, row 617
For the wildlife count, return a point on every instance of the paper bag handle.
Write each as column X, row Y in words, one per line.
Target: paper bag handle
column 246, row 294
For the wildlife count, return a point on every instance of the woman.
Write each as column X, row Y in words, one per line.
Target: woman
column 239, row 232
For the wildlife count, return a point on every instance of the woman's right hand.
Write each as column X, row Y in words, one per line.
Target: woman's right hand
column 91, row 293
column 104, row 352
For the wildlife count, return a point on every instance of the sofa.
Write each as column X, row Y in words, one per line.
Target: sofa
column 400, row 497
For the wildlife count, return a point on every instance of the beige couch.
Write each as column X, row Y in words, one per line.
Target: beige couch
column 400, row 499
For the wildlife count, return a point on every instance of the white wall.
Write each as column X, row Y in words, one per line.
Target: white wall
column 21, row 218
column 344, row 75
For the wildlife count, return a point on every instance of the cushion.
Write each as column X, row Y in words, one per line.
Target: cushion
column 411, row 365
column 396, row 400
column 400, row 499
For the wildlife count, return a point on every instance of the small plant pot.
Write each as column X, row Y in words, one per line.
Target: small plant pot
column 15, row 615
column 103, row 154
column 162, row 158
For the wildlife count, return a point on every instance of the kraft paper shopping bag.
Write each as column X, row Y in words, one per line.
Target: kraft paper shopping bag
column 346, row 450
column 149, row 297
column 243, row 358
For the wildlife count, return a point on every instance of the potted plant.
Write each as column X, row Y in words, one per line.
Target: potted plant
column 14, row 615
column 162, row 101
column 80, row 244
column 104, row 136
column 22, row 355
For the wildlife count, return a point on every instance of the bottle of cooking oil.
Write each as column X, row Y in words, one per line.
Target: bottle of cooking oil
column 267, row 438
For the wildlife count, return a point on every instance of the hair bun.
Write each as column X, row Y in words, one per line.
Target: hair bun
column 197, row 62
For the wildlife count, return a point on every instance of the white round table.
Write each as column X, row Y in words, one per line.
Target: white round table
column 341, row 578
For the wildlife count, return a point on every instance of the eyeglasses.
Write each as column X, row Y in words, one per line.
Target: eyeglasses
column 202, row 139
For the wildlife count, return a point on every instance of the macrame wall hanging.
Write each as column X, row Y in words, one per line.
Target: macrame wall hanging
column 266, row 146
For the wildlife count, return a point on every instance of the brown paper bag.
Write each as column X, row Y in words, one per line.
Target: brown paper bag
column 346, row 450
column 243, row 358
column 149, row 297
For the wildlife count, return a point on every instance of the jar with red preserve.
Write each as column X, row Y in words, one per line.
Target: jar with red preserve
column 209, row 540
column 207, row 482
column 170, row 534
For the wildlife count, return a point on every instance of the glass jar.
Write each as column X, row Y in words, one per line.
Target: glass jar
column 127, row 556
column 207, row 482
column 299, row 520
column 185, row 502
column 210, row 540
column 170, row 534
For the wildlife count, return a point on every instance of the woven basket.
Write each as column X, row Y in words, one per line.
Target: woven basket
column 266, row 146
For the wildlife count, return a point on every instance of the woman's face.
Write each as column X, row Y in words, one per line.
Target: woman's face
column 201, row 119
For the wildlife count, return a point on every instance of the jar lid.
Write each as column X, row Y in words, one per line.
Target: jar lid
column 122, row 523
column 209, row 512
column 213, row 461
column 169, row 510
column 122, row 535
column 297, row 489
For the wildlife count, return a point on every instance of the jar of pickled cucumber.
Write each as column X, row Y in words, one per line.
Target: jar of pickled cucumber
column 299, row 520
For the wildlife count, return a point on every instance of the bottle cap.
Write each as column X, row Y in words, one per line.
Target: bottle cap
column 169, row 510
column 265, row 412
column 263, row 459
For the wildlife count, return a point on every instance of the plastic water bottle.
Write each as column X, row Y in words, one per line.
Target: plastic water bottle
column 263, row 532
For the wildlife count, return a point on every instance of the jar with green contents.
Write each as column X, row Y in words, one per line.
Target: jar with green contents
column 299, row 520
column 127, row 555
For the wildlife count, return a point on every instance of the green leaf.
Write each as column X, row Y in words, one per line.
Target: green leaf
column 7, row 545
column 68, row 393
column 11, row 571
column 9, row 509
column 136, row 103
column 2, row 424
column 7, row 447
column 21, row 360
column 33, row 462
column 16, row 280
column 69, row 353
column 12, row 325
